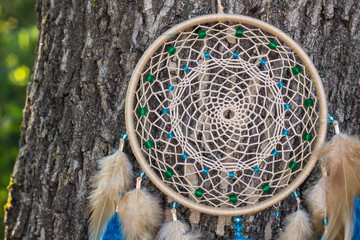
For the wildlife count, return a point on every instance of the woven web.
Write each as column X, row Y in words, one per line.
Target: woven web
column 223, row 123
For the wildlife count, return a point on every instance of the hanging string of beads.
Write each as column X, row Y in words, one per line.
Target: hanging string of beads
column 238, row 228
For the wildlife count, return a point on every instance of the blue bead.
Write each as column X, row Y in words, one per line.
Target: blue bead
column 235, row 54
column 256, row 169
column 276, row 213
column 165, row 111
column 142, row 174
column 286, row 132
column 275, row 153
column 125, row 137
column 262, row 62
column 287, row 106
column 205, row 171
column 231, row 174
column 207, row 55
column 237, row 219
column 281, row 84
column 170, row 135
column 171, row 87
column 174, row 205
column 295, row 194
column 331, row 119
column 184, row 156
column 185, row 68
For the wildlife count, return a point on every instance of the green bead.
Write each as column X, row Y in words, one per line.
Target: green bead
column 142, row 111
column 199, row 192
column 150, row 78
column 233, row 198
column 308, row 102
column 273, row 45
column 171, row 50
column 293, row 165
column 149, row 144
column 201, row 34
column 307, row 137
column 266, row 188
column 239, row 32
column 296, row 70
column 169, row 173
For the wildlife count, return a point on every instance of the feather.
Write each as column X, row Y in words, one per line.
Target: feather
column 140, row 215
column 177, row 230
column 298, row 227
column 113, row 229
column 342, row 162
column 356, row 218
column 113, row 178
column 316, row 198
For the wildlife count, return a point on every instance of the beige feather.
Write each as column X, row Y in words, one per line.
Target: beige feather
column 114, row 177
column 176, row 230
column 342, row 162
column 298, row 227
column 316, row 200
column 139, row 214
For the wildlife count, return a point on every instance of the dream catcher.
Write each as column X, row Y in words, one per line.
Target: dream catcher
column 224, row 114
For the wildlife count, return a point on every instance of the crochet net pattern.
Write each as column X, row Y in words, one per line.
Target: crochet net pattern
column 228, row 119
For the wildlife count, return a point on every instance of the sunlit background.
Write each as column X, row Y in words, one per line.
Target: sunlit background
column 18, row 36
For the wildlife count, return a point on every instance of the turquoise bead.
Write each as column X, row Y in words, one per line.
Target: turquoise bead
column 207, row 55
column 295, row 194
column 170, row 135
column 276, row 213
column 231, row 174
column 184, row 156
column 275, row 153
column 256, row 169
column 325, row 221
column 125, row 137
column 287, row 106
column 237, row 219
column 165, row 111
column 142, row 174
column 205, row 171
column 262, row 62
column 174, row 205
column 186, row 68
column 281, row 84
column 331, row 119
column 235, row 54
column 286, row 132
column 171, row 87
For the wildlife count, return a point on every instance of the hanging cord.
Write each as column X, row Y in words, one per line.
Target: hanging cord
column 220, row 7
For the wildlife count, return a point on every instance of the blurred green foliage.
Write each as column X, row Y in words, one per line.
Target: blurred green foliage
column 18, row 36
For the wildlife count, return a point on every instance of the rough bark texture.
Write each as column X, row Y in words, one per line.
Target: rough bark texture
column 74, row 110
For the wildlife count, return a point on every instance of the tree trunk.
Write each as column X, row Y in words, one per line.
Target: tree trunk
column 74, row 110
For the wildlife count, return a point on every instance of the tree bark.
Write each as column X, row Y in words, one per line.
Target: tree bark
column 74, row 110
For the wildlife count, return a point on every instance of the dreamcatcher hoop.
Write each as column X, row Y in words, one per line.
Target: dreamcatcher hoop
column 137, row 148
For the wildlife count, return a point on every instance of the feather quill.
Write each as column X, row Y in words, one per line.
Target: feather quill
column 176, row 230
column 298, row 227
column 342, row 162
column 140, row 215
column 114, row 177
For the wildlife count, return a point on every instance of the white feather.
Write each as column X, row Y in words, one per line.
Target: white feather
column 298, row 227
column 176, row 230
column 140, row 215
column 114, row 177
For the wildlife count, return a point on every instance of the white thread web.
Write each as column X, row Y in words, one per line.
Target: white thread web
column 227, row 113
